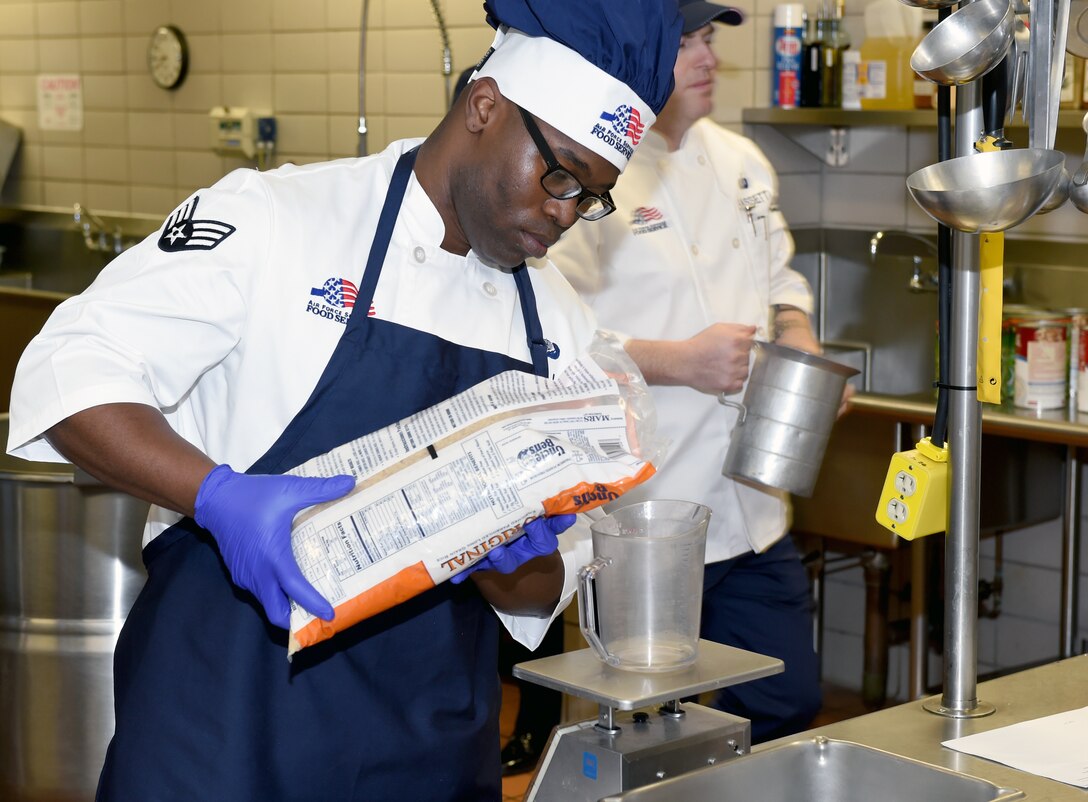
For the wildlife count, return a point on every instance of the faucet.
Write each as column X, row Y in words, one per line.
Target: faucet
column 95, row 231
column 920, row 280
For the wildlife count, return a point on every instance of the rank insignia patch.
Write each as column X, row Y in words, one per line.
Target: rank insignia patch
column 183, row 233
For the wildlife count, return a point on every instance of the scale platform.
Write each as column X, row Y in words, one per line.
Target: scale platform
column 588, row 760
column 585, row 675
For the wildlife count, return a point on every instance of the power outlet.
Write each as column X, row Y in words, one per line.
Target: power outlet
column 914, row 500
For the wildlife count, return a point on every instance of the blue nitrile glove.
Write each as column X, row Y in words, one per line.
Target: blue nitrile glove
column 540, row 538
column 250, row 518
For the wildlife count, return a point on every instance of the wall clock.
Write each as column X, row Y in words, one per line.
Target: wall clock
column 168, row 57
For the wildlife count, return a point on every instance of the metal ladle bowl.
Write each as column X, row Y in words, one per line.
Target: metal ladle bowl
column 1059, row 196
column 929, row 3
column 968, row 44
column 991, row 191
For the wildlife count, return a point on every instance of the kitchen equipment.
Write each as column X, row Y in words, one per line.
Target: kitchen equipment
column 1078, row 185
column 822, row 768
column 70, row 570
column 968, row 44
column 1049, row 29
column 1059, row 195
column 929, row 3
column 9, row 143
column 1077, row 37
column 619, row 751
column 790, row 405
column 639, row 600
column 987, row 191
column 991, row 248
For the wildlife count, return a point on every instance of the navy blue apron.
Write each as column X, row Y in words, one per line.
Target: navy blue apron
column 403, row 706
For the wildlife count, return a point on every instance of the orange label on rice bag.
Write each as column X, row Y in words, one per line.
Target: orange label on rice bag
column 586, row 496
column 404, row 585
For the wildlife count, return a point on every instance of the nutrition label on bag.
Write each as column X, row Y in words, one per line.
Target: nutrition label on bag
column 436, row 491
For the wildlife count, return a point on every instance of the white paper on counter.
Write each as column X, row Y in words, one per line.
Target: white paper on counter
column 1053, row 746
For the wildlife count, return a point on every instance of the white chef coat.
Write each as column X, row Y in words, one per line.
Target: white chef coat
column 696, row 239
column 229, row 342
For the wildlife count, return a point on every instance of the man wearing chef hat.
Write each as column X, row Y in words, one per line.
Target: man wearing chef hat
column 693, row 268
column 277, row 315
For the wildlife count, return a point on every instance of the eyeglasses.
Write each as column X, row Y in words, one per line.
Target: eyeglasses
column 560, row 184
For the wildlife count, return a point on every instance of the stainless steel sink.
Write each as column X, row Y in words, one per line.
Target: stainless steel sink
column 820, row 770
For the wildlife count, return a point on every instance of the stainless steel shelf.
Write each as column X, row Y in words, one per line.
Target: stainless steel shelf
column 845, row 118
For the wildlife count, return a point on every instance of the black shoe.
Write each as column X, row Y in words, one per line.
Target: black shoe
column 521, row 754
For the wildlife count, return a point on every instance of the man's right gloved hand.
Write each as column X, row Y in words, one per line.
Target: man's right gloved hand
column 250, row 518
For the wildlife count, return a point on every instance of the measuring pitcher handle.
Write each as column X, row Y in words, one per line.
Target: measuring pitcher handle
column 587, row 605
column 726, row 402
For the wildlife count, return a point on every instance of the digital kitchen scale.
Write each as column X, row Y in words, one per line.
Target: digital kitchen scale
column 615, row 753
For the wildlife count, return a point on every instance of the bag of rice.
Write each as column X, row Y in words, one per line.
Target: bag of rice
column 437, row 490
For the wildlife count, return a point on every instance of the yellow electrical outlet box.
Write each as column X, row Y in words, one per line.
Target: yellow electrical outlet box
column 914, row 501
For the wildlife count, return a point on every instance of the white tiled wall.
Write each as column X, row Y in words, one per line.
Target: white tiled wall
column 142, row 148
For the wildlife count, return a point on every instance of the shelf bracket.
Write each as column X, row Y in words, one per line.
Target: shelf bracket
column 837, row 152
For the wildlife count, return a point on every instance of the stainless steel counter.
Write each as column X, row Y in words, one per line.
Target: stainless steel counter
column 910, row 731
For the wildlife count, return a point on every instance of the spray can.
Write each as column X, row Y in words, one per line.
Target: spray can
column 789, row 28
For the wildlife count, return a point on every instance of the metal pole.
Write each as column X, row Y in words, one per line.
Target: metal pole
column 919, row 618
column 959, row 699
column 1070, row 553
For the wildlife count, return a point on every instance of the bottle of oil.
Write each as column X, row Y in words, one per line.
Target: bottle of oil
column 836, row 41
column 812, row 58
column 886, row 77
column 887, row 81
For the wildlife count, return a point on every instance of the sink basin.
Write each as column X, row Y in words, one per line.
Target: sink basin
column 820, row 769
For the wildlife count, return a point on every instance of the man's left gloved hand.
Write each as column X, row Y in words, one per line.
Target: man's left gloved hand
column 540, row 538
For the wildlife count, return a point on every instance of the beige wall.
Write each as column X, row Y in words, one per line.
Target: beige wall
column 142, row 148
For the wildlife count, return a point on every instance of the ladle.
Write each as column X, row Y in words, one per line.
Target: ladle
column 1078, row 187
column 968, row 44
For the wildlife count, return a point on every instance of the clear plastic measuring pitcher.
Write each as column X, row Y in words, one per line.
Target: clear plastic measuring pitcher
column 639, row 600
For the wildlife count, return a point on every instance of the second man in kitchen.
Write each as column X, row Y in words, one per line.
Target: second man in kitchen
column 692, row 268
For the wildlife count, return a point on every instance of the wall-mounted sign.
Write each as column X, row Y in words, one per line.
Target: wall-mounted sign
column 60, row 103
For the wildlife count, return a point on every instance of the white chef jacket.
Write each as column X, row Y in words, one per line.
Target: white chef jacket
column 229, row 341
column 696, row 239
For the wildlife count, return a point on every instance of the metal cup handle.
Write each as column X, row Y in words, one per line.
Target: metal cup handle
column 722, row 399
column 587, row 606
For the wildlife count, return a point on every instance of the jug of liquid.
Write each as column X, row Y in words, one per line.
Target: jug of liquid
column 639, row 601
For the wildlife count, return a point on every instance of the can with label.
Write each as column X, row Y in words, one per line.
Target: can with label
column 789, row 28
column 1078, row 321
column 1011, row 314
column 1081, row 360
column 1041, row 363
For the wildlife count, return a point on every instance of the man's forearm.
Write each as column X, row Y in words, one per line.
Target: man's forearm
column 792, row 327
column 659, row 361
column 131, row 447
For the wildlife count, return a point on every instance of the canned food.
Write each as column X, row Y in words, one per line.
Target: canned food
column 1082, row 370
column 1011, row 315
column 1041, row 360
column 1078, row 322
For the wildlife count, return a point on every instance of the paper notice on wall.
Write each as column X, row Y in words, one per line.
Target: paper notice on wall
column 60, row 102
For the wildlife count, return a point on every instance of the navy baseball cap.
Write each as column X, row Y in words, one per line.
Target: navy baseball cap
column 697, row 13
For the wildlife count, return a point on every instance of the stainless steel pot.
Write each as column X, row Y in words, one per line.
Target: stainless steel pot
column 790, row 405
column 70, row 570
